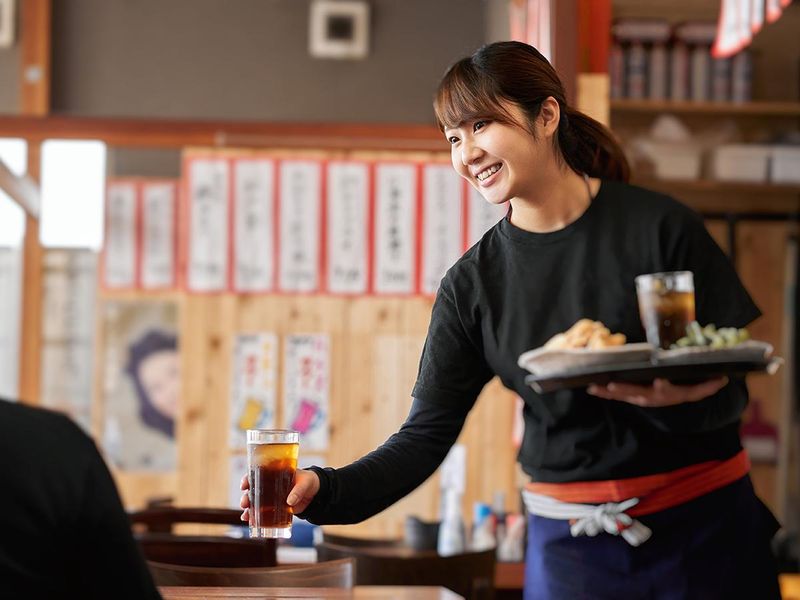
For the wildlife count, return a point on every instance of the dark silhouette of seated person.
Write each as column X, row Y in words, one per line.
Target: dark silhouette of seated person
column 63, row 530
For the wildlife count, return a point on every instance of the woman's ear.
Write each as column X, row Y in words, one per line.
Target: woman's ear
column 549, row 116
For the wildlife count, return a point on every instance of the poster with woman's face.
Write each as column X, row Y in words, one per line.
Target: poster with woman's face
column 141, row 385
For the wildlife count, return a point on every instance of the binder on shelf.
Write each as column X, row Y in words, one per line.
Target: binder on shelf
column 721, row 79
column 698, row 36
column 741, row 77
column 679, row 72
column 616, row 71
column 643, row 43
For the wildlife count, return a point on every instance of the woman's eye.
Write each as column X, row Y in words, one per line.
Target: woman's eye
column 452, row 139
column 479, row 125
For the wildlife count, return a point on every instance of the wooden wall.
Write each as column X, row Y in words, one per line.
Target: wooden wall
column 375, row 347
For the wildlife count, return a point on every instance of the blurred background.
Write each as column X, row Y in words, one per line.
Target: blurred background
column 219, row 215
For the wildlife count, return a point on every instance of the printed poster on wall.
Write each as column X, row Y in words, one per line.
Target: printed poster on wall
column 442, row 226
column 255, row 385
column 119, row 259
column 481, row 215
column 141, row 380
column 300, row 199
column 306, row 383
column 395, row 228
column 208, row 224
column 159, row 203
column 348, row 227
column 254, row 215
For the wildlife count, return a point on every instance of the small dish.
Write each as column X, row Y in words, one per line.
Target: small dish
column 543, row 361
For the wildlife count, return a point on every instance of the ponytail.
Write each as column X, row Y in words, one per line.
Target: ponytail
column 587, row 146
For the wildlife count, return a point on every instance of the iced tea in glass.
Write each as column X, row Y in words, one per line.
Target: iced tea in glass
column 272, row 462
column 666, row 306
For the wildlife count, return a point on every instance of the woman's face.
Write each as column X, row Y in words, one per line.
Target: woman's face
column 500, row 160
column 159, row 374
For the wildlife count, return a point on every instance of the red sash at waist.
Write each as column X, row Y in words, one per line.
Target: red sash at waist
column 655, row 492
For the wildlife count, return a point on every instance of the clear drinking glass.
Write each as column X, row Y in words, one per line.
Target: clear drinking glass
column 666, row 305
column 272, row 462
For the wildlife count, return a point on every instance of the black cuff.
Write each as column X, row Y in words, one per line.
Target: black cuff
column 322, row 498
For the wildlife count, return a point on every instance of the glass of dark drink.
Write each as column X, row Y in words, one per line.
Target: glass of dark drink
column 666, row 306
column 272, row 462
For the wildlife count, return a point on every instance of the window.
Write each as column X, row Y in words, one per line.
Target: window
column 14, row 153
column 73, row 189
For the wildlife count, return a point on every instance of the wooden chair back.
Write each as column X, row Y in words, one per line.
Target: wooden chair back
column 207, row 551
column 361, row 542
column 471, row 574
column 162, row 518
column 337, row 573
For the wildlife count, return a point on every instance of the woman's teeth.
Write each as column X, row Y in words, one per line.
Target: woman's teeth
column 493, row 169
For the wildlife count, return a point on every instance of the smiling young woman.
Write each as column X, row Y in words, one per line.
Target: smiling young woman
column 636, row 491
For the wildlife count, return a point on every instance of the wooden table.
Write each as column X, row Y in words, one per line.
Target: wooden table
column 360, row 592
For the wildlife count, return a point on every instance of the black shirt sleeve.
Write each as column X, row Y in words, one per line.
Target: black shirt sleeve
column 452, row 369
column 381, row 478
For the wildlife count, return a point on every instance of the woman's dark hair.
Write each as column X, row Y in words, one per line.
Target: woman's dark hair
column 477, row 87
column 151, row 342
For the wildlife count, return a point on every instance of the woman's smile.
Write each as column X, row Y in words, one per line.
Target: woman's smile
column 487, row 177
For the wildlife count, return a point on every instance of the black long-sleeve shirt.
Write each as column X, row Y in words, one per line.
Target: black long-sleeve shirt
column 63, row 530
column 514, row 290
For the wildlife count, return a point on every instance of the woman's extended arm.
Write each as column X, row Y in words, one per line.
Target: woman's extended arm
column 387, row 474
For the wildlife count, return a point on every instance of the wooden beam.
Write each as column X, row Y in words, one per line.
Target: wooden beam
column 35, row 20
column 565, row 45
column 31, row 330
column 161, row 133
column 23, row 190
column 594, row 35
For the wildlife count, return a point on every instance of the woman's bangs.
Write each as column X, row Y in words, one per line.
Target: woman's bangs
column 463, row 96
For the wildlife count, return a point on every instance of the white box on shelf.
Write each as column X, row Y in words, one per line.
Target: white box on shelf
column 673, row 160
column 740, row 162
column 785, row 164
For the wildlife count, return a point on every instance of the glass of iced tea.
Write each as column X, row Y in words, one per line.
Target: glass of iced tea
column 272, row 462
column 666, row 305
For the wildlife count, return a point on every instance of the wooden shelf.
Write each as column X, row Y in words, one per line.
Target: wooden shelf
column 722, row 197
column 727, row 187
column 754, row 109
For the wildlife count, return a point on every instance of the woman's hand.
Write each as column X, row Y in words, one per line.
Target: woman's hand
column 306, row 486
column 661, row 393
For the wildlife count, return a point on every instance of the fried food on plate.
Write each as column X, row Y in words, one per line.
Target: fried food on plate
column 585, row 334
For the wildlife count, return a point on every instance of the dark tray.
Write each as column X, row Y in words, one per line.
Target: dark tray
column 646, row 372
